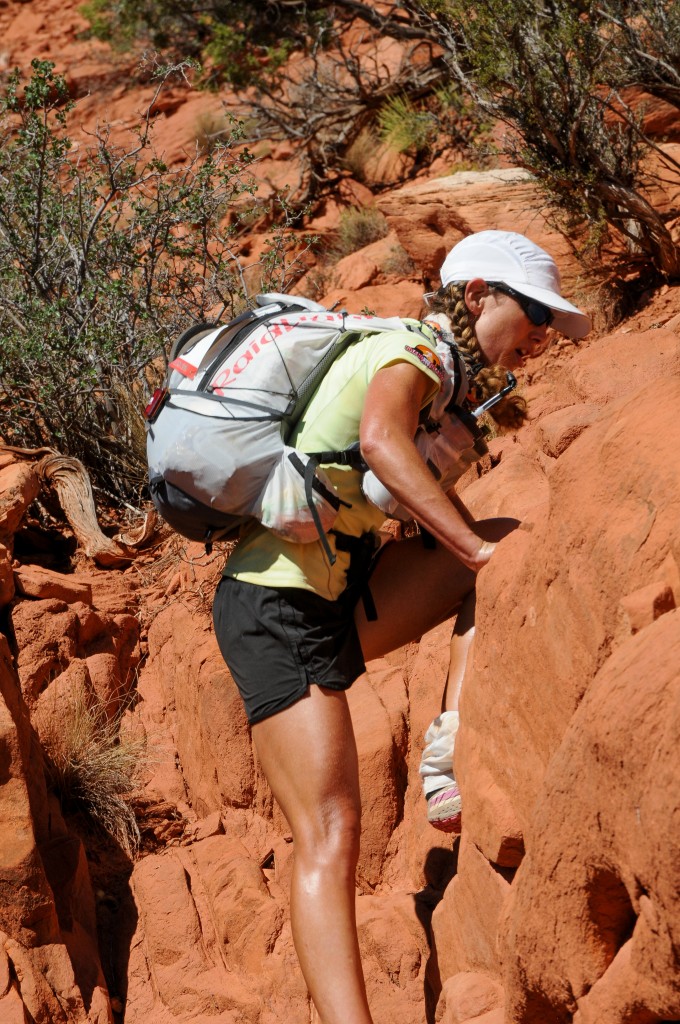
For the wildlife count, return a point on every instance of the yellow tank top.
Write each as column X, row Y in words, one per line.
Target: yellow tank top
column 330, row 423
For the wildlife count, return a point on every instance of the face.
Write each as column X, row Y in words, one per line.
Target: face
column 505, row 333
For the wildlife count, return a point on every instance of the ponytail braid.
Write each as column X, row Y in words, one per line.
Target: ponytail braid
column 512, row 411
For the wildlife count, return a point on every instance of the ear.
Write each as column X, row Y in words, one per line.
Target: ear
column 475, row 290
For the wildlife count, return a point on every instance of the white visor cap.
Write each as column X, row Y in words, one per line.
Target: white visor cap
column 512, row 259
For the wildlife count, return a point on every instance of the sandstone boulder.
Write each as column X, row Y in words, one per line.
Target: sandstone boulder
column 48, row 937
column 430, row 216
column 600, row 929
column 19, row 486
column 7, row 585
column 36, row 581
column 575, row 599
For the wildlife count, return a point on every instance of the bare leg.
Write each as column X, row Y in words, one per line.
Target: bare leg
column 461, row 644
column 308, row 754
column 440, row 788
column 415, row 588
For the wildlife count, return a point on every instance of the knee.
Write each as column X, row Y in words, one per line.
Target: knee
column 332, row 836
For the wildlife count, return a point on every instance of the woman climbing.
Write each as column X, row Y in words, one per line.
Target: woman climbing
column 509, row 265
column 293, row 628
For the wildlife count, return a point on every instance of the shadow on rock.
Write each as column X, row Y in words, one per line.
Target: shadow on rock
column 439, row 869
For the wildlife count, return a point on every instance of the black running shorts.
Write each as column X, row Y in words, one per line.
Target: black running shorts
column 277, row 642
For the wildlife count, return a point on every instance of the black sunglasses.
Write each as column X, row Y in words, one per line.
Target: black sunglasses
column 536, row 311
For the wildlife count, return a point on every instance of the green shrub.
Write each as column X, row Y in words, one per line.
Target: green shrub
column 323, row 99
column 236, row 61
column 553, row 71
column 237, row 39
column 106, row 254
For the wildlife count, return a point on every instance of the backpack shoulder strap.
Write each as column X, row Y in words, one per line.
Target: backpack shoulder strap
column 455, row 364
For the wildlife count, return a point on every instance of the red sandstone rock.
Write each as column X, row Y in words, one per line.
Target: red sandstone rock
column 55, row 703
column 558, row 430
column 198, row 937
column 210, row 826
column 91, row 624
column 660, row 119
column 47, row 924
column 19, row 486
column 104, row 672
column 465, row 923
column 609, row 467
column 519, row 488
column 494, row 826
column 355, row 272
column 67, row 651
column 379, row 760
column 46, row 635
column 648, row 603
column 623, row 363
column 12, row 1006
column 349, row 192
column 431, row 216
column 600, row 528
column 6, row 576
column 394, row 950
column 35, row 581
column 112, row 593
column 600, row 928
column 404, row 299
column 469, row 996
column 203, row 712
column 414, row 679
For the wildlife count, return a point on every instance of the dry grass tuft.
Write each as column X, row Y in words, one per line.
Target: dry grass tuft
column 359, row 227
column 212, row 127
column 94, row 768
column 360, row 153
column 404, row 127
column 399, row 262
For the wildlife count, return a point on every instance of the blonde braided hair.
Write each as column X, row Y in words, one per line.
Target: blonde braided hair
column 512, row 411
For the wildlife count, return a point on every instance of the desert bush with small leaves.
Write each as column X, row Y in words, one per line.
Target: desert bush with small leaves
column 106, row 254
column 555, row 72
column 324, row 98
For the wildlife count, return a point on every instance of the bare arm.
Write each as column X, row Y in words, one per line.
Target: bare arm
column 388, row 425
column 455, row 498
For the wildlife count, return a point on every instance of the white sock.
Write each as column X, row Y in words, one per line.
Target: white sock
column 436, row 763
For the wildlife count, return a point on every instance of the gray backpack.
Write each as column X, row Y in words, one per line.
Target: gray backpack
column 217, row 430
